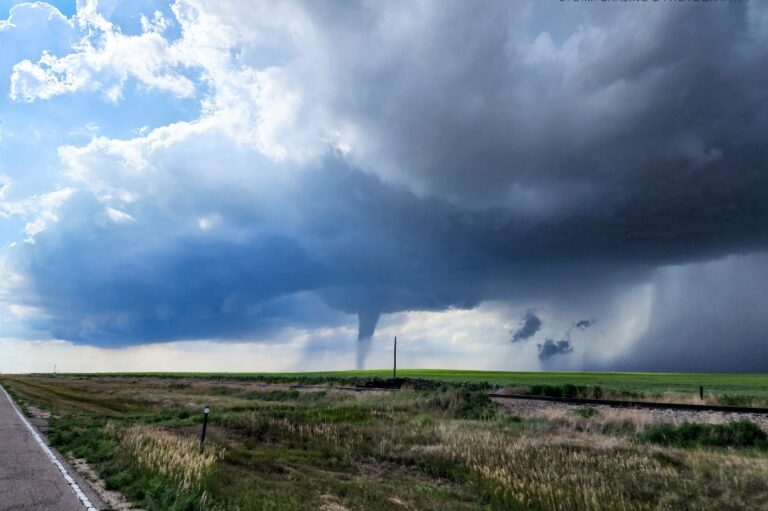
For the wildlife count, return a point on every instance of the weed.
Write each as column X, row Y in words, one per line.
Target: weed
column 176, row 458
column 586, row 412
column 741, row 434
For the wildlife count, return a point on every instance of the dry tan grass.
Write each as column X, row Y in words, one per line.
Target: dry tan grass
column 566, row 463
column 548, row 476
column 632, row 419
column 172, row 456
column 563, row 477
column 398, row 502
column 513, row 389
column 606, row 418
column 331, row 503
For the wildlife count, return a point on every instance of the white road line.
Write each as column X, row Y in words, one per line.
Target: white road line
column 71, row 482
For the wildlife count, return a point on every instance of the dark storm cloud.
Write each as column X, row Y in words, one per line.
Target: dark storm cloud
column 560, row 110
column 115, row 286
column 158, row 278
column 627, row 139
column 551, row 348
column 510, row 152
column 530, row 325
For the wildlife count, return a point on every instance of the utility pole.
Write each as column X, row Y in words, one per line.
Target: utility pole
column 394, row 367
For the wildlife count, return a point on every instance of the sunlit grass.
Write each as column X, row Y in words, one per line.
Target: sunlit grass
column 174, row 457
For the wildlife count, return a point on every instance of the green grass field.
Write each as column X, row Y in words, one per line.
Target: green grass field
column 731, row 389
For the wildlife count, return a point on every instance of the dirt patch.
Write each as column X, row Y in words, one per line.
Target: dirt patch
column 38, row 417
column 38, row 413
column 378, row 470
column 114, row 500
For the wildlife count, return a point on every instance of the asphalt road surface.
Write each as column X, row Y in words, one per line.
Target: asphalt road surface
column 30, row 479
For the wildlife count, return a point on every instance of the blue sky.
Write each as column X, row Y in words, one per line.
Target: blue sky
column 66, row 7
column 288, row 185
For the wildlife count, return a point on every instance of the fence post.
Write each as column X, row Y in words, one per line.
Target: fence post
column 206, row 410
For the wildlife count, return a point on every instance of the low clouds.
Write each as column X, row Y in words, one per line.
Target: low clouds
column 551, row 348
column 563, row 346
column 374, row 159
column 530, row 325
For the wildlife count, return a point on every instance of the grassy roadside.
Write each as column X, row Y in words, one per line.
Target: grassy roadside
column 445, row 448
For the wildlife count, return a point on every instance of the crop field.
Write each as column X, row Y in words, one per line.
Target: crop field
column 444, row 446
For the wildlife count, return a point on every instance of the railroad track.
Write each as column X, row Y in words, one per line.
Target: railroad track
column 567, row 400
column 637, row 404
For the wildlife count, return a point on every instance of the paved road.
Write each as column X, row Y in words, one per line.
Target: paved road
column 29, row 479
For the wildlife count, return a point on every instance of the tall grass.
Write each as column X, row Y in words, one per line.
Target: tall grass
column 177, row 460
column 531, row 467
column 744, row 434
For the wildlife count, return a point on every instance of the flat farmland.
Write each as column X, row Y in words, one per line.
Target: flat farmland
column 725, row 389
column 272, row 446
